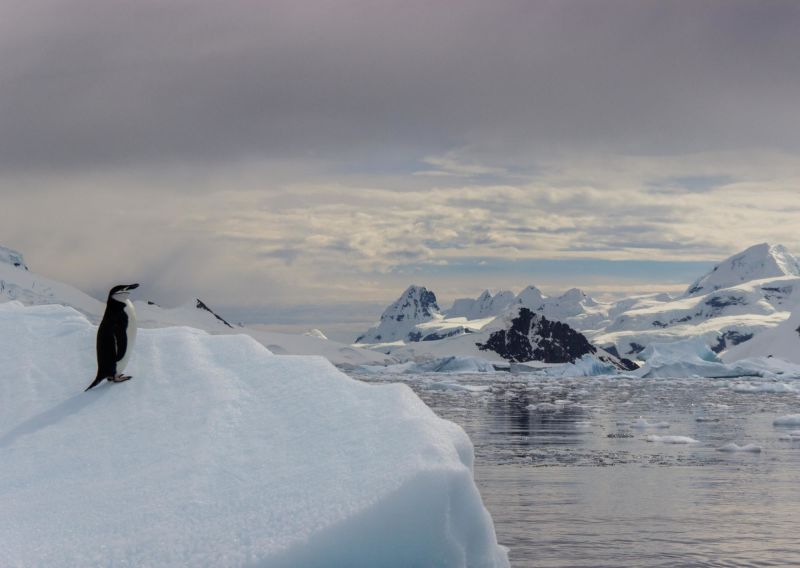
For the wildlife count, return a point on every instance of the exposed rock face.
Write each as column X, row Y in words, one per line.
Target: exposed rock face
column 416, row 305
column 531, row 337
column 202, row 306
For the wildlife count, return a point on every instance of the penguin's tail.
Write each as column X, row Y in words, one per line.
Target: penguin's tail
column 96, row 382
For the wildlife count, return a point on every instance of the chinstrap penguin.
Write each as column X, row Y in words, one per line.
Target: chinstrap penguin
column 115, row 336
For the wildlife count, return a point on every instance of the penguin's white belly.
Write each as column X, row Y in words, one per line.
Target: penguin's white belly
column 130, row 334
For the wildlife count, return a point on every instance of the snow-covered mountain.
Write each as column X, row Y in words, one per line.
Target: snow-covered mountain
column 400, row 321
column 759, row 262
column 741, row 297
column 485, row 305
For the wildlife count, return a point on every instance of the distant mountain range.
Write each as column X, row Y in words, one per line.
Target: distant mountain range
column 739, row 309
column 739, row 299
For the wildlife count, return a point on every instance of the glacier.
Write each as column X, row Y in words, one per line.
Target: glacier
column 220, row 453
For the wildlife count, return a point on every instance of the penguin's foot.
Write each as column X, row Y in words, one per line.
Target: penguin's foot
column 119, row 378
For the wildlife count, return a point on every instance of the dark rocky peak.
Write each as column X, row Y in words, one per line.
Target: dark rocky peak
column 202, row 306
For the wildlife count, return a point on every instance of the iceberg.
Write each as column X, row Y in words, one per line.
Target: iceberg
column 219, row 453
column 686, row 358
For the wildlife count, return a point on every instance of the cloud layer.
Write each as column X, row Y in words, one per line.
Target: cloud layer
column 267, row 153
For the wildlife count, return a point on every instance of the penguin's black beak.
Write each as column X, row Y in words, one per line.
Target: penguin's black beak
column 131, row 287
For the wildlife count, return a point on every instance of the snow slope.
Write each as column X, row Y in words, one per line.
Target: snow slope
column 18, row 283
column 782, row 341
column 755, row 263
column 218, row 453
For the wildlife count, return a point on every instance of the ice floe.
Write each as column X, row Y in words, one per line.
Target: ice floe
column 671, row 439
column 787, row 420
column 733, row 447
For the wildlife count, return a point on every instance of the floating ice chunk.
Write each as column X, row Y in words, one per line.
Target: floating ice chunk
column 643, row 424
column 671, row 439
column 733, row 447
column 763, row 388
column 450, row 386
column 788, row 420
column 706, row 419
column 793, row 436
column 544, row 407
column 687, row 358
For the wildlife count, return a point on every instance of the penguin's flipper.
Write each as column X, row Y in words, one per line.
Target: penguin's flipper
column 96, row 382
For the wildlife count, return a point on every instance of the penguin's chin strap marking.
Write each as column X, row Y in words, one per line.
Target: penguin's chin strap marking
column 119, row 378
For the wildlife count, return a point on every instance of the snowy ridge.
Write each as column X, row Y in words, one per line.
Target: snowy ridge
column 755, row 263
column 218, row 453
column 486, row 305
column 18, row 283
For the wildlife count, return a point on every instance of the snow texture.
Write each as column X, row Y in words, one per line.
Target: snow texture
column 218, row 453
column 782, row 341
column 12, row 257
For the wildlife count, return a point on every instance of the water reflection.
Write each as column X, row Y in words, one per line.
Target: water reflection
column 571, row 480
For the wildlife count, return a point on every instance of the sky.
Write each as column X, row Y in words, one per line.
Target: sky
column 312, row 159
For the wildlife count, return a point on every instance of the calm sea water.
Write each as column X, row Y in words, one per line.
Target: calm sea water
column 571, row 481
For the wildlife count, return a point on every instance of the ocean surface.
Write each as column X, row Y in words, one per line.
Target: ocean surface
column 579, row 471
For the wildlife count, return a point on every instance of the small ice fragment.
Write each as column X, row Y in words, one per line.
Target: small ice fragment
column 706, row 419
column 543, row 407
column 793, row 436
column 733, row 447
column 787, row 420
column 642, row 424
column 671, row 439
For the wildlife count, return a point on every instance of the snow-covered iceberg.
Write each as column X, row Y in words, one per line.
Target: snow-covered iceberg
column 687, row 358
column 219, row 453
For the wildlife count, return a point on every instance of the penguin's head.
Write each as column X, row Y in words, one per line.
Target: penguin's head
column 121, row 292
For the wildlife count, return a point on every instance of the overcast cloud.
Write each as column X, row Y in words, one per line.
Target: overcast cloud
column 265, row 152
